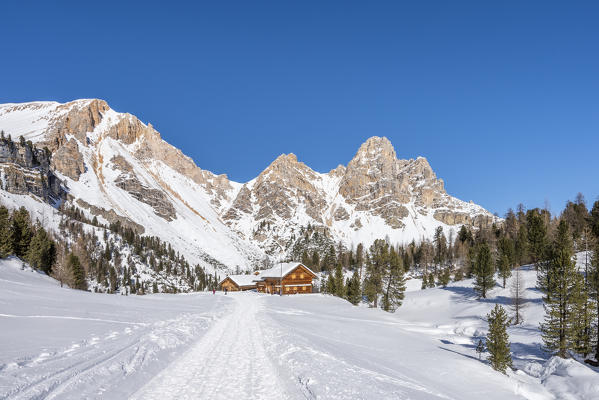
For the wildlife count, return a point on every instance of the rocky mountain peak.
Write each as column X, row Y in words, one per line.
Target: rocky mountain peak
column 375, row 148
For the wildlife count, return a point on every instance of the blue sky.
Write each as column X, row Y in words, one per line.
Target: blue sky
column 503, row 98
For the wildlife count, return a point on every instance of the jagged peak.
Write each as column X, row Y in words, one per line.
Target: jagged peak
column 285, row 158
column 374, row 148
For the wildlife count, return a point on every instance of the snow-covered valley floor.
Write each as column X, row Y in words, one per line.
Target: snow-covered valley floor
column 62, row 343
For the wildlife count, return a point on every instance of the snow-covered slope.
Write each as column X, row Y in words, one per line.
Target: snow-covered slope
column 117, row 168
column 249, row 345
column 114, row 165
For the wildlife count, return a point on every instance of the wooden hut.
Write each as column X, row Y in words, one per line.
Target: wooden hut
column 294, row 277
column 237, row 283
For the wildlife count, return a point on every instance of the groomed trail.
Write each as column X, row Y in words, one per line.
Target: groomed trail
column 229, row 362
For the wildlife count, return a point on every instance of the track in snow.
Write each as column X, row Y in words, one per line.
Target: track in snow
column 229, row 362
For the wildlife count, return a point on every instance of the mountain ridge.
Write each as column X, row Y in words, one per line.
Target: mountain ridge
column 111, row 159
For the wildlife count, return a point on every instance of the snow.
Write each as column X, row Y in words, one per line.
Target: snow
column 62, row 343
column 281, row 269
column 242, row 279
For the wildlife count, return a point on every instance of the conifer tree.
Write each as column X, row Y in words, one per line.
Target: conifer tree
column 395, row 283
column 483, row 271
column 354, row 294
column 77, row 272
column 593, row 282
column 6, row 233
column 21, row 231
column 561, row 280
column 377, row 262
column 41, row 253
column 444, row 277
column 506, row 258
column 498, row 340
column 339, row 287
column 521, row 245
column 537, row 236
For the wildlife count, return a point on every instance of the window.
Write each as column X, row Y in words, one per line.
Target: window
column 301, row 276
column 287, row 289
column 304, row 288
column 292, row 276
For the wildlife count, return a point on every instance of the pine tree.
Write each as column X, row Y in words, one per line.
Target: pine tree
column 483, row 271
column 561, row 280
column 339, row 287
column 41, row 253
column 354, row 294
column 582, row 313
column 506, row 258
column 77, row 272
column 21, row 231
column 521, row 246
column 377, row 263
column 498, row 340
column 432, row 282
column 395, row 283
column 6, row 233
column 444, row 277
column 518, row 301
column 424, row 281
column 537, row 236
column 593, row 283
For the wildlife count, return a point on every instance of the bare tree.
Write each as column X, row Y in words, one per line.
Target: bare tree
column 517, row 291
column 60, row 270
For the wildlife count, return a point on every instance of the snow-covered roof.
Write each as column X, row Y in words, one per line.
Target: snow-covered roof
column 242, row 280
column 279, row 270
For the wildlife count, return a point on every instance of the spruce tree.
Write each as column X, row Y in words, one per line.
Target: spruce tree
column 498, row 340
column 559, row 283
column 483, row 271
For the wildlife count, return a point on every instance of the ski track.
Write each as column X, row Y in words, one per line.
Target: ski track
column 88, row 368
column 229, row 362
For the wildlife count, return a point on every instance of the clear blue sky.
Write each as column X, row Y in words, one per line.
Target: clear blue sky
column 503, row 98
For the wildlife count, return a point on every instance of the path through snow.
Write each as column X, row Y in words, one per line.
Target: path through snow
column 229, row 362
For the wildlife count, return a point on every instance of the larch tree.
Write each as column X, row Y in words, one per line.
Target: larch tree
column 518, row 296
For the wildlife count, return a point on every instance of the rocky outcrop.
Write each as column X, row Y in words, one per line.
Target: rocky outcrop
column 376, row 181
column 155, row 198
column 25, row 169
column 110, row 216
column 67, row 160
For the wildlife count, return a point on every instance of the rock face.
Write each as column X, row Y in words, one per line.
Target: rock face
column 115, row 166
column 68, row 160
column 25, row 169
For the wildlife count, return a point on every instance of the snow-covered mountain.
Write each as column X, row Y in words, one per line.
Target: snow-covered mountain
column 117, row 168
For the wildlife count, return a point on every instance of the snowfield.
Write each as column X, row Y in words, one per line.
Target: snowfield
column 61, row 343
